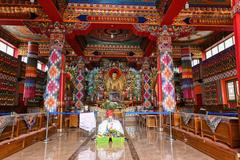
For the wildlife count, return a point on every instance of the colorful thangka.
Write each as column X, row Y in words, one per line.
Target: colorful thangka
column 147, row 87
column 80, row 88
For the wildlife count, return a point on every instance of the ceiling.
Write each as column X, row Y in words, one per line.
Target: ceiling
column 113, row 36
column 195, row 36
column 25, row 21
column 113, row 42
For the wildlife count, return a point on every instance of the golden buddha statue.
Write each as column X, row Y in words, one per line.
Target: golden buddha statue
column 114, row 81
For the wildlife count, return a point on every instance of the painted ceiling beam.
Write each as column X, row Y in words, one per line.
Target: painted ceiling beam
column 174, row 9
column 215, row 28
column 51, row 10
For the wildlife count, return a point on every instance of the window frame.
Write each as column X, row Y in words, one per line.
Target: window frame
column 210, row 51
column 227, row 41
column 220, row 45
column 234, row 88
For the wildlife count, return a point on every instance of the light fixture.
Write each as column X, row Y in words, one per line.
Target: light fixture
column 32, row 1
column 112, row 36
column 187, row 5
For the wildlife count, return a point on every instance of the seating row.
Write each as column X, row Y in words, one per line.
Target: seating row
column 218, row 128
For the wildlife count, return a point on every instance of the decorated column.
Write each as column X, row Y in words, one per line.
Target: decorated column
column 146, row 85
column 31, row 72
column 167, row 75
column 187, row 78
column 52, row 98
column 236, row 25
column 79, row 84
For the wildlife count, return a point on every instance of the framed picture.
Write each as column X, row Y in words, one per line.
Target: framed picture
column 114, row 96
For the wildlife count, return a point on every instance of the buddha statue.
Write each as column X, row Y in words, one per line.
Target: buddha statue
column 114, row 82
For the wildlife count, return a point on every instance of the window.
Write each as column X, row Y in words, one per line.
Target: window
column 232, row 89
column 209, row 54
column 24, row 59
column 221, row 47
column 6, row 48
column 195, row 62
column 214, row 50
column 10, row 51
column 228, row 42
column 3, row 47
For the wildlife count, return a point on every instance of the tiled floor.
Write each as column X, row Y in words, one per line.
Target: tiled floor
column 60, row 147
column 153, row 145
column 149, row 145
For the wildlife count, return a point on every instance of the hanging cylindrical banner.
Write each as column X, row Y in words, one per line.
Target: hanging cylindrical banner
column 187, row 81
column 31, row 71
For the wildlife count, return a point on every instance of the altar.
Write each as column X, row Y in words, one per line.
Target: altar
column 114, row 81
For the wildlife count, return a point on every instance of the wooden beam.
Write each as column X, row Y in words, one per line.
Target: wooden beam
column 174, row 9
column 71, row 39
column 14, row 22
column 51, row 10
column 214, row 28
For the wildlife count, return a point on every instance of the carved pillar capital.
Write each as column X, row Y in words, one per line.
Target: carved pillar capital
column 164, row 41
column 57, row 35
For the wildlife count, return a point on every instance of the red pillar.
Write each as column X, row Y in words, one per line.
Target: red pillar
column 203, row 55
column 159, row 81
column 236, row 25
column 62, row 82
column 62, row 91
